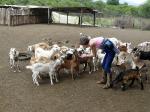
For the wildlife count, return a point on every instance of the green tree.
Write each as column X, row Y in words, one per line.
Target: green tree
column 145, row 9
column 99, row 5
column 113, row 2
column 22, row 2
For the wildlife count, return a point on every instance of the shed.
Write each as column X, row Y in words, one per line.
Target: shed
column 13, row 15
column 78, row 11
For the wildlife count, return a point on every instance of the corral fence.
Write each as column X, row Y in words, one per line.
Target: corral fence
column 124, row 22
column 13, row 16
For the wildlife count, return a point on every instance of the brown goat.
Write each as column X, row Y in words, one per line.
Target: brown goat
column 126, row 75
column 123, row 48
column 71, row 64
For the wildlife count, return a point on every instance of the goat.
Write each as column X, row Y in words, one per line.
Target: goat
column 143, row 55
column 85, row 60
column 126, row 75
column 63, row 49
column 50, row 68
column 13, row 59
column 71, row 62
column 115, row 41
column 42, row 45
column 145, row 46
column 34, row 60
column 39, row 52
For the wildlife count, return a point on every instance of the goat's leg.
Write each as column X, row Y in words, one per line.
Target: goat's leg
column 14, row 68
column 90, row 67
column 51, row 78
column 85, row 65
column 132, row 82
column 76, row 68
column 56, row 77
column 118, row 78
column 72, row 73
column 34, row 78
column 14, row 65
column 95, row 67
column 11, row 63
column 140, row 82
column 123, row 86
column 18, row 67
column 58, row 73
column 146, row 78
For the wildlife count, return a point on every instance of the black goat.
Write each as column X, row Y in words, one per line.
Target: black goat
column 143, row 55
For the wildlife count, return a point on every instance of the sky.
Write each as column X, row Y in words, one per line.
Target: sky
column 132, row 2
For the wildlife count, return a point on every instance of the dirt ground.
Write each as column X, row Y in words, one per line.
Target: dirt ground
column 18, row 94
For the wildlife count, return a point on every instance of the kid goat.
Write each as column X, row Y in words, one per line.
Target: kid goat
column 49, row 68
column 13, row 59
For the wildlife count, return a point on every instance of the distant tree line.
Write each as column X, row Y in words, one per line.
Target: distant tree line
column 110, row 8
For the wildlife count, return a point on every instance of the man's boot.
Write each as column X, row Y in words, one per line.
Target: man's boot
column 103, row 80
column 108, row 83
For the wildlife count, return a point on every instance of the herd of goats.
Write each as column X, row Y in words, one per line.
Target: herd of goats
column 49, row 57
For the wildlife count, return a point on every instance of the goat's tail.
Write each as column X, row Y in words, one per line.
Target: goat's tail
column 29, row 67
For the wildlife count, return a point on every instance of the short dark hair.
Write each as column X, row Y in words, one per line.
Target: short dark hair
column 84, row 40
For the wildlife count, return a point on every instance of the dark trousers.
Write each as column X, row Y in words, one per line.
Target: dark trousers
column 108, row 48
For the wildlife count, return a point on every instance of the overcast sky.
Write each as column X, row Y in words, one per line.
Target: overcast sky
column 131, row 2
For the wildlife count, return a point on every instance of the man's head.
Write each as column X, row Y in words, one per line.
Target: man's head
column 84, row 40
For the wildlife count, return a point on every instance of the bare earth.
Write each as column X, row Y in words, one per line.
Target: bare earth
column 18, row 94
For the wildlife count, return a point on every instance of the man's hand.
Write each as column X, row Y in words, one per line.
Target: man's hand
column 83, row 56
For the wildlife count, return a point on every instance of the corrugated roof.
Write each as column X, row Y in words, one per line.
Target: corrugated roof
column 59, row 9
column 75, row 9
column 22, row 6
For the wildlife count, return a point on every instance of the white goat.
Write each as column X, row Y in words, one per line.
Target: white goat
column 43, row 45
column 49, row 68
column 144, row 46
column 13, row 59
column 115, row 41
column 39, row 52
column 130, row 60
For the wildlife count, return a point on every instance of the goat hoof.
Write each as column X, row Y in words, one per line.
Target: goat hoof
column 90, row 72
column 14, row 71
column 123, row 88
column 19, row 71
column 52, row 84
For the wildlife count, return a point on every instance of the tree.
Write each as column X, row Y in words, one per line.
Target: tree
column 145, row 9
column 22, row 2
column 99, row 5
column 113, row 2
